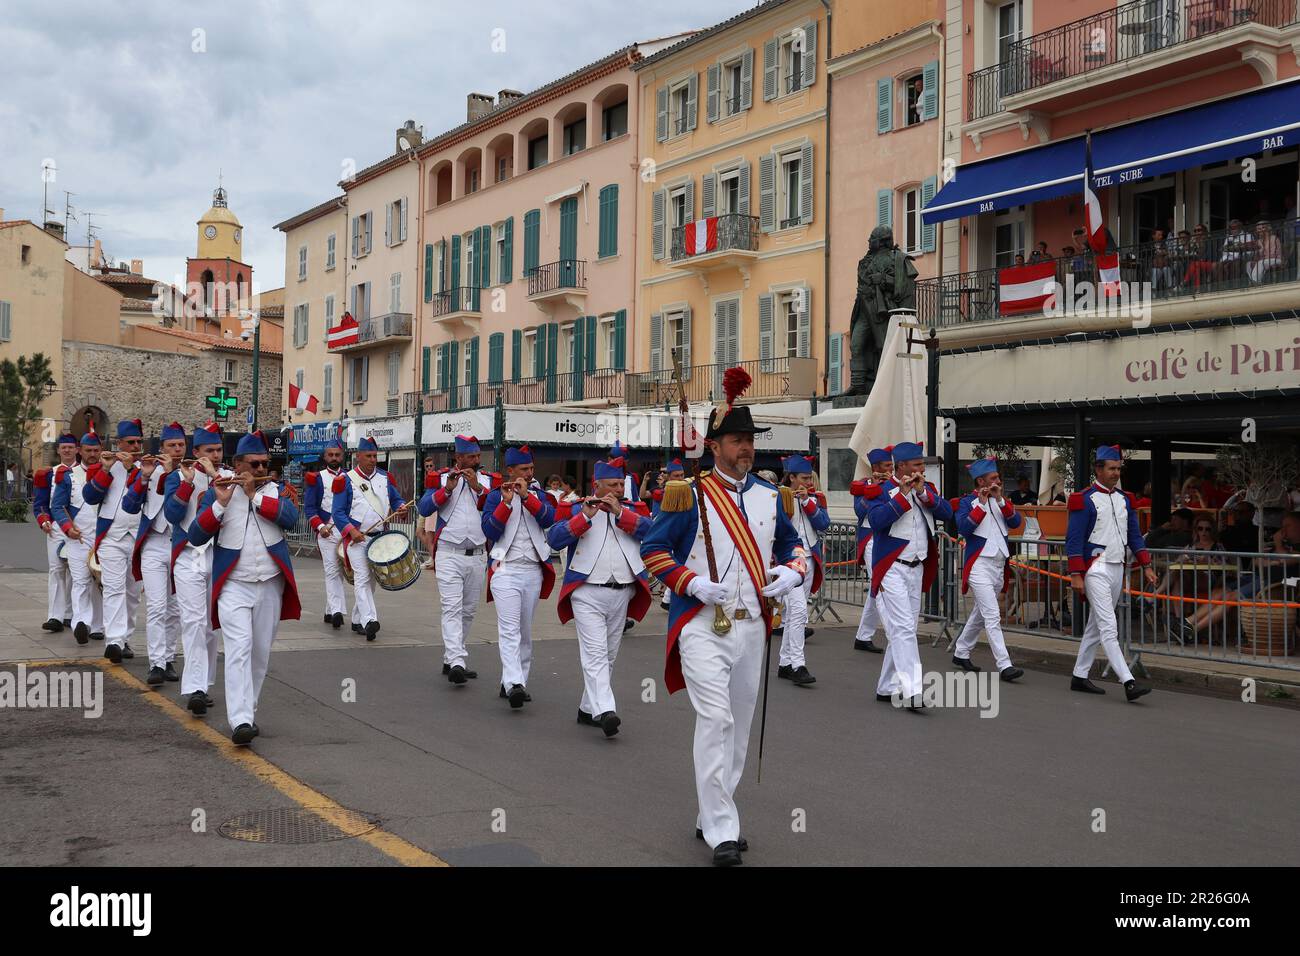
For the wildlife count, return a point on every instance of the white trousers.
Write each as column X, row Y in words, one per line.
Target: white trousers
column 516, row 588
column 796, row 623
column 336, row 601
column 1103, row 584
column 363, row 585
column 87, row 597
column 986, row 577
column 59, row 605
column 870, row 621
column 193, row 600
column 121, row 589
column 250, row 616
column 899, row 600
column 722, row 675
column 162, row 616
column 460, row 582
column 599, row 614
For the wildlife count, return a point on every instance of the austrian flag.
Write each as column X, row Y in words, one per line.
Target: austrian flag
column 300, row 401
column 1026, row 288
column 702, row 236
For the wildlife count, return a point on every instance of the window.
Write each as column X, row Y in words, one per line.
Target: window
column 472, row 186
column 470, row 278
column 1008, row 237
column 395, row 222
column 915, row 86
column 731, row 86
column 503, row 168
column 677, row 207
column 6, row 321
column 327, row 388
column 302, row 263
column 330, row 242
column 298, row 379
column 613, row 121
column 26, row 254
column 791, row 65
column 395, row 292
column 530, row 351
column 912, row 221
column 329, row 316
column 470, row 373
column 361, row 302
column 676, row 332
column 679, row 103
column 607, row 243
column 729, row 192
column 300, row 329
column 230, row 372
column 438, row 355
column 568, row 347
column 575, row 137
column 394, row 366
column 362, row 227
column 1011, row 24
column 608, row 344
column 358, row 378
column 788, row 337
column 502, row 264
column 784, row 327
column 537, row 149
column 790, row 202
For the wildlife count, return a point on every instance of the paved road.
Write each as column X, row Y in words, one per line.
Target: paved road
column 455, row 773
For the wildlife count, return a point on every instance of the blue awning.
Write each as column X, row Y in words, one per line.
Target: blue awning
column 1242, row 125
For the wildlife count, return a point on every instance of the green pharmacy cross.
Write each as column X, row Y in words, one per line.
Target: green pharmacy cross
column 222, row 402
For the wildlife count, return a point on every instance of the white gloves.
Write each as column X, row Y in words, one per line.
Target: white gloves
column 784, row 580
column 708, row 592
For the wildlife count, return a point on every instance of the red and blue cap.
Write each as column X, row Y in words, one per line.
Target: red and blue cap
column 907, row 451
column 130, row 428
column 67, row 438
column 254, row 443
column 607, row 469
column 1108, row 453
column 522, row 455
column 982, row 466
column 209, row 434
column 798, row 464
column 879, row 455
column 174, row 430
column 467, row 445
column 367, row 444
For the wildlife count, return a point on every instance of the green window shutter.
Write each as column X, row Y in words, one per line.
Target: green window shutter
column 485, row 257
column 620, row 339
column 552, row 346
column 928, row 189
column 508, row 267
column 532, row 238
column 428, row 272
column 516, row 352
column 473, row 362
column 608, row 242
column 424, row 374
column 443, row 367
column 884, row 105
column 455, row 262
column 442, row 266
column 930, row 91
column 569, row 228
column 885, row 207
column 496, row 346
column 576, row 363
column 590, row 349
column 453, row 379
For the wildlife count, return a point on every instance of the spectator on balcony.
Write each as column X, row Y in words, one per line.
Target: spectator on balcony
column 1020, row 259
column 1162, row 270
column 1236, row 247
column 1200, row 258
column 1267, row 255
column 1040, row 253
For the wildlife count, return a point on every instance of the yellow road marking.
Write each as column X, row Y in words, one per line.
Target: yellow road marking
column 332, row 812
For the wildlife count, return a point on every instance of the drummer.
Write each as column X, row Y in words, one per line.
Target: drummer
column 365, row 500
column 319, row 505
column 59, row 607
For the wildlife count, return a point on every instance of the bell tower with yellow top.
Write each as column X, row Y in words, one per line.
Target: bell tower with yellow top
column 218, row 281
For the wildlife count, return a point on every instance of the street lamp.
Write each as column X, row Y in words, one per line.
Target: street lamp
column 251, row 324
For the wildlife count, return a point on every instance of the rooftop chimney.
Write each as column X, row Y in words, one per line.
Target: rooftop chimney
column 54, row 228
column 477, row 105
column 409, row 136
column 506, row 97
column 137, row 266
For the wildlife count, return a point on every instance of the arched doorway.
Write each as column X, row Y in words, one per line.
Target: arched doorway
column 78, row 423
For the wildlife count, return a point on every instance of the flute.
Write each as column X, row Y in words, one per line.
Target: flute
column 239, row 480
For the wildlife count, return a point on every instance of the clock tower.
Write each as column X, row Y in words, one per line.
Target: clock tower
column 218, row 281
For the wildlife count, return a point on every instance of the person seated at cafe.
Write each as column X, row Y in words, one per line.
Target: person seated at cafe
column 1040, row 253
column 1204, row 539
column 1267, row 255
column 1174, row 533
column 1189, row 495
column 1236, row 245
column 1022, row 495
column 1239, row 532
column 1200, row 259
column 1144, row 499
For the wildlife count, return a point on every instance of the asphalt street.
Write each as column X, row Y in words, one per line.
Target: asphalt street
column 454, row 774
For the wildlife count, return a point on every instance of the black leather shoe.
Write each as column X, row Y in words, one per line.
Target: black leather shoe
column 113, row 653
column 1085, row 685
column 96, row 635
column 372, row 628
column 884, row 698
column 156, row 676
column 516, row 696
column 81, row 633
column 243, row 735
column 609, row 722
column 742, row 842
column 446, row 668
column 456, row 674
column 358, row 629
column 198, row 704
column 727, row 854
column 170, row 672
column 778, row 631
column 1009, row 674
column 629, row 624
column 587, row 719
column 867, row 646
column 53, row 625
column 207, row 699
column 67, row 622
column 784, row 671
column 965, row 664
column 809, row 632
column 127, row 653
column 801, row 676
column 329, row 618
column 336, row 620
column 257, row 731
column 1133, row 690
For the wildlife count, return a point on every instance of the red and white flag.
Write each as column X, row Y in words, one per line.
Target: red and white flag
column 1108, row 273
column 702, row 236
column 691, row 440
column 1025, row 288
column 345, row 333
column 1092, row 205
column 300, row 401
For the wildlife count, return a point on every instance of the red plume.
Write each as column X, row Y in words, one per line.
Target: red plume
column 734, row 382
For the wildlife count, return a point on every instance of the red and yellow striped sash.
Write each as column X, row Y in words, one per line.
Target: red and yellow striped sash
column 738, row 528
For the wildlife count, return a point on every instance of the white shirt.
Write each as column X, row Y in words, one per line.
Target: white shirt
column 993, row 529
column 1111, row 527
column 611, row 563
column 153, row 503
column 914, row 528
column 521, row 546
column 255, row 562
column 111, row 506
column 464, row 523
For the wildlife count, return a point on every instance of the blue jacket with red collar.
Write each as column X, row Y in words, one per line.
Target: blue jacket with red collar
column 95, row 490
column 1083, row 518
column 570, row 525
column 882, row 512
column 342, row 488
column 818, row 517
column 41, row 484
column 864, row 492
column 496, row 513
column 970, row 513
column 313, row 495
column 133, row 501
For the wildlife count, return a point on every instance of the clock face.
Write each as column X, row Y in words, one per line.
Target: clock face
column 210, row 232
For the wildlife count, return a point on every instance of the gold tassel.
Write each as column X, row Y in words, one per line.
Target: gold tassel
column 677, row 496
column 787, row 500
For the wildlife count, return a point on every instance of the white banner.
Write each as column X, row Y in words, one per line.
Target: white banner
column 387, row 432
column 441, row 428
column 597, row 429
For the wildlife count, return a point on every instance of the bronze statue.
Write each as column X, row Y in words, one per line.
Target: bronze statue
column 886, row 280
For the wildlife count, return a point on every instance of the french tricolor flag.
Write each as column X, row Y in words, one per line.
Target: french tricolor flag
column 1027, row 288
column 702, row 236
column 1092, row 205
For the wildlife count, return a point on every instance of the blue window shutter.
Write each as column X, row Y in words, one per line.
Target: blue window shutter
column 428, row 272
column 620, row 339
column 516, row 353
column 885, row 207
column 508, row 267
column 589, row 350
column 928, row 189
column 930, row 91
column 884, row 105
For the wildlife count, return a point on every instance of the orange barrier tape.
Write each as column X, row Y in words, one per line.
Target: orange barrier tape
column 1217, row 602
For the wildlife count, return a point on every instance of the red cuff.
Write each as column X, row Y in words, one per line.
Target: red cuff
column 533, row 503
column 501, row 513
column 431, row 480
column 103, row 477
column 315, row 523
column 679, row 578
column 269, row 508
column 810, row 506
column 138, row 485
column 627, row 519
column 208, row 521
column 657, row 494
column 977, row 513
column 65, row 526
column 1143, row 558
column 1077, row 564
column 440, row 496
column 1008, row 509
column 185, row 490
column 43, row 521
column 579, row 524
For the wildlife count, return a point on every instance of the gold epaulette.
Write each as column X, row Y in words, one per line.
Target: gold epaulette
column 677, row 496
column 787, row 500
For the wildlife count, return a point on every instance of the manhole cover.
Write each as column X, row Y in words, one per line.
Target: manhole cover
column 298, row 825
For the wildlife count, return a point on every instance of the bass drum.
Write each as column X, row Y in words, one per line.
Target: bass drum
column 393, row 561
column 96, row 572
column 345, row 565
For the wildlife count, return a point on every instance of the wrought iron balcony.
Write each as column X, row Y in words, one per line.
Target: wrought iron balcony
column 774, row 380
column 454, row 301
column 1125, row 33
column 736, row 234
column 565, row 277
column 562, row 388
column 379, row 329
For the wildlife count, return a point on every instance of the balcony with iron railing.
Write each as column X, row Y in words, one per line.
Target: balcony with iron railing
column 735, row 244
column 600, row 387
column 773, row 380
column 1123, row 45
column 1257, row 259
column 458, row 305
column 565, row 279
column 379, row 329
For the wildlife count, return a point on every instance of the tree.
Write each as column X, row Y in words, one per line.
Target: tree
column 23, row 387
column 1265, row 471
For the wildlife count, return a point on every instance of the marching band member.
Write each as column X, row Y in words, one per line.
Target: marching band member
column 151, row 556
column 457, row 495
column 253, row 587
column 192, row 566
column 864, row 491
column 365, row 499
column 673, row 470
column 77, row 519
column 604, row 586
column 807, row 513
column 515, row 519
column 59, row 604
column 745, row 526
column 1103, row 526
column 115, row 538
column 318, row 501
column 904, row 563
column 983, row 518
column 618, row 453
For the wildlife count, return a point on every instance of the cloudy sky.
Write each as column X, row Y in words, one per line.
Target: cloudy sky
column 140, row 105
